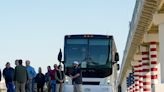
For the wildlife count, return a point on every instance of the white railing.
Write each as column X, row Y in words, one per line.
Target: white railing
column 132, row 28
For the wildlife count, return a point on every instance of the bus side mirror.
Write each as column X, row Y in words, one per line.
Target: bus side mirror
column 60, row 56
column 118, row 67
column 116, row 57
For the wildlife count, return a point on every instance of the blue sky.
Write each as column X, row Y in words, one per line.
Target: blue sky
column 34, row 29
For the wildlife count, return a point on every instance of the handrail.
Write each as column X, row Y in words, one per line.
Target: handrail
column 132, row 28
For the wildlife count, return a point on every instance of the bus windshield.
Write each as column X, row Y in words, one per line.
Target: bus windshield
column 98, row 52
column 75, row 50
column 90, row 53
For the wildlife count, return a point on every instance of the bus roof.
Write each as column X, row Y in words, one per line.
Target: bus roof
column 75, row 36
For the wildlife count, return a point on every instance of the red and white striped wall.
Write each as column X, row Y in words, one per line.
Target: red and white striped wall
column 140, row 76
column 130, row 89
column 153, row 62
column 136, row 77
column 133, row 90
column 146, row 74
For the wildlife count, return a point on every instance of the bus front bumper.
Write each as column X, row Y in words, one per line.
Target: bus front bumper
column 90, row 88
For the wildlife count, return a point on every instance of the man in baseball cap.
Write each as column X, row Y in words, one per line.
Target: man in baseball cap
column 76, row 62
column 76, row 76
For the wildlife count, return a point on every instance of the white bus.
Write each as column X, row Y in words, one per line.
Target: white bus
column 98, row 58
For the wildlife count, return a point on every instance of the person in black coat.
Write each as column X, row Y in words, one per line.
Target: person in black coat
column 60, row 77
column 0, row 75
column 40, row 80
column 8, row 74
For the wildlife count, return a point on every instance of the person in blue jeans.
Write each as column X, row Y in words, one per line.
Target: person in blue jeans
column 53, row 80
column 8, row 74
column 31, row 75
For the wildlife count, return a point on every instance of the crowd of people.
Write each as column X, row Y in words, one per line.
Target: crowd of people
column 24, row 78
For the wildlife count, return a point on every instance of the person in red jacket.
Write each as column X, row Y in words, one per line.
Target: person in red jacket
column 53, row 80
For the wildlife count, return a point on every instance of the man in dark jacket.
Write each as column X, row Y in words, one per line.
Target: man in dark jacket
column 20, row 77
column 60, row 77
column 40, row 80
column 8, row 74
column 48, row 79
column 0, row 75
column 76, row 76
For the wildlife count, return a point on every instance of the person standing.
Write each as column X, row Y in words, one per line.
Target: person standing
column 20, row 77
column 59, row 76
column 16, row 62
column 47, row 78
column 53, row 80
column 40, row 80
column 0, row 75
column 76, row 76
column 31, row 74
column 8, row 74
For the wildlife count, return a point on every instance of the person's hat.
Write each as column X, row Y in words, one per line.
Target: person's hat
column 76, row 62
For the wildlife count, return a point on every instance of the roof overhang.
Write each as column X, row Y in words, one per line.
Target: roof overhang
column 140, row 24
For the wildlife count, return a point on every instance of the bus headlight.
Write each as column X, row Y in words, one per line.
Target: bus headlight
column 108, row 81
column 68, row 80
